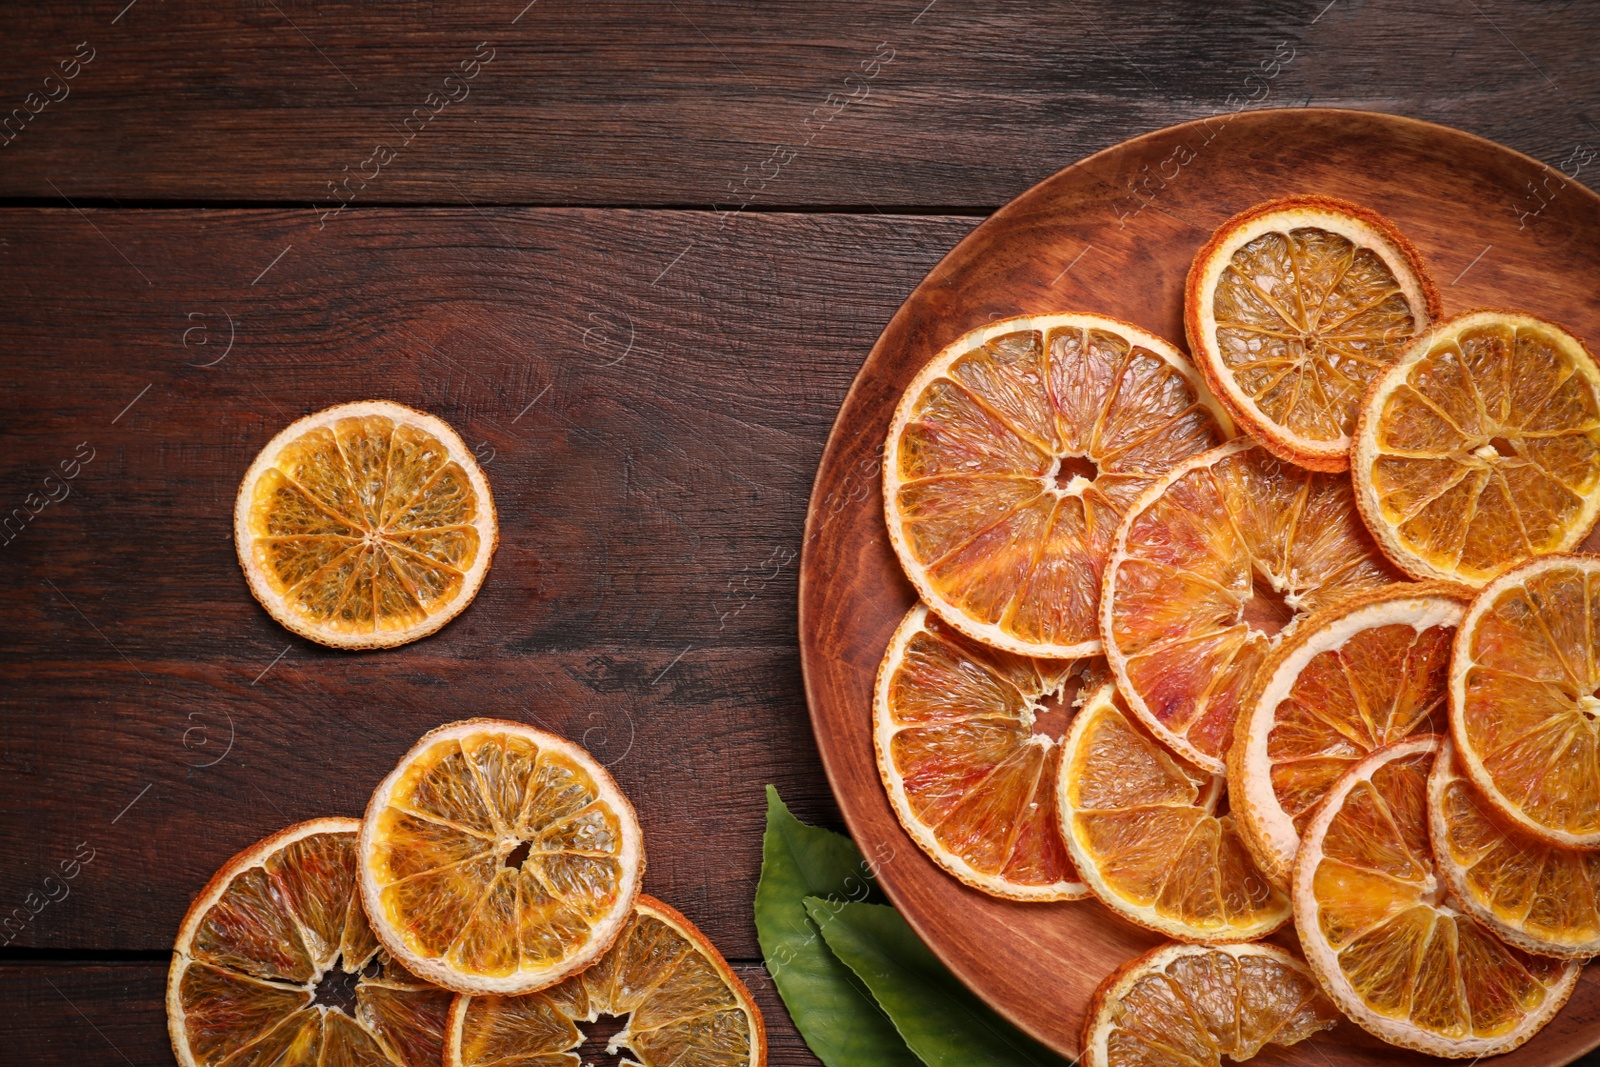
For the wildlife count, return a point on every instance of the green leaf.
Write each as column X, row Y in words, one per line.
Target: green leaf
column 939, row 1018
column 835, row 1014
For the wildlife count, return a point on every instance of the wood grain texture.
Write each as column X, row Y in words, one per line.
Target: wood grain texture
column 709, row 102
column 1072, row 243
column 654, row 388
column 642, row 599
column 115, row 1014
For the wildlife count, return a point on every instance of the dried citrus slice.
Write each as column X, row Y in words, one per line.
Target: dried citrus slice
column 966, row 752
column 1481, row 447
column 1217, row 558
column 1292, row 308
column 1011, row 459
column 1390, row 949
column 496, row 858
column 684, row 1006
column 1190, row 1005
column 275, row 963
column 1524, row 713
column 1366, row 672
column 366, row 525
column 1150, row 836
column 1539, row 897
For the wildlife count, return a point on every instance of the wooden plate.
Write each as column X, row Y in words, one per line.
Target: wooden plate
column 1115, row 234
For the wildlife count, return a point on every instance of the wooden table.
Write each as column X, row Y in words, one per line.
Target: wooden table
column 635, row 254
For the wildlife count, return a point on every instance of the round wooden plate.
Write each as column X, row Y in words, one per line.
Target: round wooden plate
column 1115, row 234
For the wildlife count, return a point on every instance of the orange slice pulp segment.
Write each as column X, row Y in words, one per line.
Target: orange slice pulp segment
column 1539, row 897
column 366, row 525
column 1194, row 1004
column 497, row 858
column 1011, row 459
column 1481, row 447
column 1370, row 670
column 1523, row 706
column 969, row 767
column 275, row 963
column 1292, row 308
column 1209, row 566
column 682, row 1002
column 1384, row 940
column 1149, row 837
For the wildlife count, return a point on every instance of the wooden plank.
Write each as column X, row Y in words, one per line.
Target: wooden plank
column 642, row 600
column 77, row 1013
column 705, row 102
column 692, row 754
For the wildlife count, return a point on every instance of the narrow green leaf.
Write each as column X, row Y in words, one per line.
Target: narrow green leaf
column 835, row 1014
column 939, row 1018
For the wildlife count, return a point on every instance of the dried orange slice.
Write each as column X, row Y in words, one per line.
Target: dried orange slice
column 1150, row 835
column 1367, row 672
column 683, row 1003
column 1392, row 951
column 1480, row 448
column 366, row 525
column 1292, row 308
column 1216, row 559
column 966, row 753
column 496, row 858
column 1013, row 456
column 275, row 963
column 1539, row 897
column 1524, row 713
column 1191, row 1005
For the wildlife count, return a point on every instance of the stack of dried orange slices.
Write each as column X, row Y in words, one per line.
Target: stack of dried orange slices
column 487, row 903
column 1183, row 671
